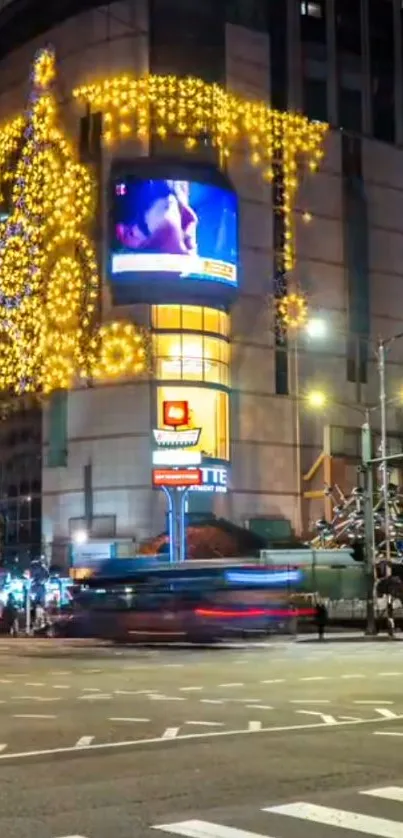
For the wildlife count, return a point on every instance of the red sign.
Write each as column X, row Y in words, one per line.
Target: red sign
column 176, row 414
column 177, row 477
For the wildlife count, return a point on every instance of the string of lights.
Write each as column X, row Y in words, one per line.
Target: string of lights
column 192, row 108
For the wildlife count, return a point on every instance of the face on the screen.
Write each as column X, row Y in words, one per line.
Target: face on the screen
column 173, row 220
column 170, row 223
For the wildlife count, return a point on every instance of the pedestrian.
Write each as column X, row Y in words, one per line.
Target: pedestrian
column 11, row 616
column 321, row 618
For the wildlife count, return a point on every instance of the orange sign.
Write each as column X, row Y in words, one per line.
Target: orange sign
column 176, row 414
column 177, row 477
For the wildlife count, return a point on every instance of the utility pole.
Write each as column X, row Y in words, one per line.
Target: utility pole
column 369, row 537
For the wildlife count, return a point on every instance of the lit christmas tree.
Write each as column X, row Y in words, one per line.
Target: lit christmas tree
column 49, row 281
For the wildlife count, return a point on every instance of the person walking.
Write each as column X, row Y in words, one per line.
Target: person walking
column 11, row 616
column 321, row 618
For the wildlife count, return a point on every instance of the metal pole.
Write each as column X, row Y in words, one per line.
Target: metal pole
column 384, row 461
column 28, row 607
column 184, row 494
column 297, row 419
column 384, row 473
column 366, row 454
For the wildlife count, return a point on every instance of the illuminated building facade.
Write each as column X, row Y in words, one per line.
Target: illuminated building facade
column 330, row 236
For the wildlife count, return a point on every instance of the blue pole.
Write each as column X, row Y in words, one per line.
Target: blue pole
column 171, row 524
column 184, row 494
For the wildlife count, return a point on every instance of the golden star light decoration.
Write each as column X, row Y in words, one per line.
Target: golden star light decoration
column 49, row 281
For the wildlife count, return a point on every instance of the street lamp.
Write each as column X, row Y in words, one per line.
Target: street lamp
column 316, row 399
column 80, row 537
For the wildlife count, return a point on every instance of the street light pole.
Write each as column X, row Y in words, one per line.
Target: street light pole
column 369, row 541
column 297, row 419
column 383, row 452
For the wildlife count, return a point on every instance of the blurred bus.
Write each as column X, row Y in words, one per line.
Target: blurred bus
column 193, row 602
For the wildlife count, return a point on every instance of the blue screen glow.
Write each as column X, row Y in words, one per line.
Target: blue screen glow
column 181, row 229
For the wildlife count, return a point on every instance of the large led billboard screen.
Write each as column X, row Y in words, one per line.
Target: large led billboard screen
column 172, row 240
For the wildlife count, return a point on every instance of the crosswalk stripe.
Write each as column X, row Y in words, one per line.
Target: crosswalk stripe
column 366, row 824
column 389, row 793
column 204, row 829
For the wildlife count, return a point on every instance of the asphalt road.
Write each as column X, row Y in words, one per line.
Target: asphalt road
column 139, row 742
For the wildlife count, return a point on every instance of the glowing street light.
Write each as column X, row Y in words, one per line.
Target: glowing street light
column 316, row 328
column 80, row 537
column 316, row 399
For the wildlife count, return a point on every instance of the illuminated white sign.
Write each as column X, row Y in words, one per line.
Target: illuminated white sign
column 176, row 457
column 179, row 439
column 181, row 264
column 214, row 479
column 189, row 366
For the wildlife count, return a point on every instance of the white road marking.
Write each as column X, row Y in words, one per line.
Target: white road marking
column 190, row 689
column 95, row 697
column 203, row 829
column 254, row 726
column 274, row 681
column 73, row 836
column 135, row 692
column 39, row 698
column 61, row 672
column 3, row 748
column 229, row 686
column 34, row 684
column 309, row 701
column 389, row 793
column 84, row 741
column 156, row 697
column 325, row 815
column 5, row 681
column 206, row 724
column 130, row 743
column 173, row 665
column 315, row 678
column 259, row 707
column 388, row 674
column 33, row 716
column 381, row 701
column 327, row 720
column 387, row 714
column 170, row 733
column 126, row 719
column 387, row 733
column 61, row 686
column 91, row 671
column 212, row 701
column 91, row 690
column 352, row 675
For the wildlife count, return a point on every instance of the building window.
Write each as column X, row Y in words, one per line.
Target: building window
column 311, row 9
column 190, row 318
column 350, row 110
column 200, row 28
column 348, row 27
column 313, row 28
column 278, row 54
column 209, row 410
column 187, row 357
column 381, row 30
column 315, row 99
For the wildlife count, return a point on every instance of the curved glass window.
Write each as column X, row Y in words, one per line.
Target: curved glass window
column 190, row 318
column 188, row 357
column 209, row 410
